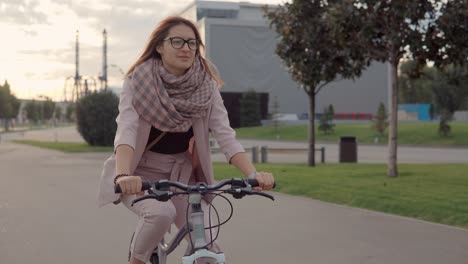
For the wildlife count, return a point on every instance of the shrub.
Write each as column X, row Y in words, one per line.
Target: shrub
column 95, row 117
column 249, row 109
column 444, row 127
column 326, row 120
column 380, row 122
column 33, row 111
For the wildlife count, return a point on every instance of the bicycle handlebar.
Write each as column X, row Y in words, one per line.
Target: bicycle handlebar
column 202, row 188
column 146, row 185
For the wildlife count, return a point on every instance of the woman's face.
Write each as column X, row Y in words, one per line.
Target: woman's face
column 175, row 59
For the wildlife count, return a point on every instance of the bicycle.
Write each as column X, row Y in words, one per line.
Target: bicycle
column 195, row 228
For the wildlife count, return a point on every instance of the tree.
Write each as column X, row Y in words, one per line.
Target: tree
column 312, row 54
column 412, row 88
column 450, row 93
column 450, row 56
column 389, row 30
column 380, row 123
column 431, row 111
column 331, row 111
column 95, row 116
column 33, row 111
column 69, row 112
column 48, row 108
column 446, row 40
column 326, row 120
column 9, row 105
column 443, row 87
column 58, row 114
column 249, row 109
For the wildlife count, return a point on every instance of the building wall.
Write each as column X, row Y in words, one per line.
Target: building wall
column 250, row 12
column 361, row 96
column 245, row 55
column 246, row 60
column 244, row 51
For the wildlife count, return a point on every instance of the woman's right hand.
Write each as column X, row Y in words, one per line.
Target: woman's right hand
column 130, row 185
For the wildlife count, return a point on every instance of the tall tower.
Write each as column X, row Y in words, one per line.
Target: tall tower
column 104, row 61
column 77, row 78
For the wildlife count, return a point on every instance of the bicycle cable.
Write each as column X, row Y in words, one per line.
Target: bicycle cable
column 209, row 215
column 230, row 215
column 218, row 226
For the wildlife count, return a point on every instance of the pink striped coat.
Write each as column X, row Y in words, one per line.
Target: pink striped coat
column 134, row 131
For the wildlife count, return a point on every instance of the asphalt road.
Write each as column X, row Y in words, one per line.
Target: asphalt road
column 49, row 214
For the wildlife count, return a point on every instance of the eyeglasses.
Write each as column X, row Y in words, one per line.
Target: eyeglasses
column 178, row 43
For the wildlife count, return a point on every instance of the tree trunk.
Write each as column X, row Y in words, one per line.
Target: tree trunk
column 311, row 134
column 6, row 124
column 392, row 135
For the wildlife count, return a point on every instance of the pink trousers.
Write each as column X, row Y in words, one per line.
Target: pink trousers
column 155, row 217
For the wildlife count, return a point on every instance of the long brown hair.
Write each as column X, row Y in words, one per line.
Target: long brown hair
column 160, row 33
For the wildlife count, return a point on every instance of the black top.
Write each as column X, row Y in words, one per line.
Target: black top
column 171, row 142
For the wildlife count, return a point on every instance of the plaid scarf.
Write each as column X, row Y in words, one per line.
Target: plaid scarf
column 169, row 102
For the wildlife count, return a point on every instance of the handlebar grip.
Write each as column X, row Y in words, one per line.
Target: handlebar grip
column 254, row 183
column 144, row 186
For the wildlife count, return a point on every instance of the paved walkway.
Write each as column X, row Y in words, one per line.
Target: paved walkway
column 366, row 153
column 49, row 214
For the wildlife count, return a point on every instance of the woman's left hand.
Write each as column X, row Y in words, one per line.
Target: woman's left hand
column 265, row 181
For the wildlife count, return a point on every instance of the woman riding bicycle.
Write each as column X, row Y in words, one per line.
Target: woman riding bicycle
column 169, row 104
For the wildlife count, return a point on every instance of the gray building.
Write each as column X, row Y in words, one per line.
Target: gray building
column 241, row 44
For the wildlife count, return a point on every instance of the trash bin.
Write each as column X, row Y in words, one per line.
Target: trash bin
column 348, row 149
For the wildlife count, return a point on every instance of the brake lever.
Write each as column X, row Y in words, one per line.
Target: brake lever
column 241, row 192
column 236, row 193
column 162, row 196
column 250, row 191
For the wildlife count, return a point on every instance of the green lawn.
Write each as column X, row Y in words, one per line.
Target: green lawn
column 434, row 192
column 33, row 127
column 410, row 133
column 65, row 146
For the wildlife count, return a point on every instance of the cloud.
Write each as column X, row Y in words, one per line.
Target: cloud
column 62, row 62
column 42, row 37
column 128, row 24
column 22, row 12
column 126, row 20
column 58, row 55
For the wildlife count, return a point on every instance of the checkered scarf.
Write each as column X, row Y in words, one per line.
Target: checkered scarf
column 169, row 102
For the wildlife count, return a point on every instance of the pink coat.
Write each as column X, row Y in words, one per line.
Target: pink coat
column 134, row 131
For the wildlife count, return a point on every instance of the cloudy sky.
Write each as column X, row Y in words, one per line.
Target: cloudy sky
column 38, row 38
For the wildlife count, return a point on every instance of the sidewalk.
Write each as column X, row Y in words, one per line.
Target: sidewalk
column 49, row 214
column 366, row 153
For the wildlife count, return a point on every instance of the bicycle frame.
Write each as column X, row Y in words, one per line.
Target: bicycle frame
column 197, row 225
